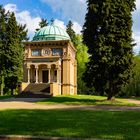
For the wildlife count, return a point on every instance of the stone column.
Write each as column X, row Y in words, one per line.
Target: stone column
column 58, row 75
column 36, row 69
column 28, row 69
column 49, row 74
column 75, row 77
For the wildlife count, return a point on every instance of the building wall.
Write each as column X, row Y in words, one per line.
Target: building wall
column 67, row 64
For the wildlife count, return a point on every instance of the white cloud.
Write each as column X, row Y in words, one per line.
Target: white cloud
column 82, row 1
column 24, row 17
column 32, row 23
column 136, row 36
column 138, row 4
column 69, row 9
column 60, row 23
column 136, row 26
column 11, row 7
column 77, row 27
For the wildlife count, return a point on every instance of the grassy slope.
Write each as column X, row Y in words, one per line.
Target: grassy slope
column 72, row 123
column 85, row 100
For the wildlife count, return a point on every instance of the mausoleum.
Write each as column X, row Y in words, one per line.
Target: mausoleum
column 50, row 63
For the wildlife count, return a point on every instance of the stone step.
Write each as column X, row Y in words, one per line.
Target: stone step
column 34, row 95
column 38, row 88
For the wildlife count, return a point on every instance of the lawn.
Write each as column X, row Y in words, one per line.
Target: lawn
column 85, row 100
column 71, row 123
column 5, row 97
column 135, row 98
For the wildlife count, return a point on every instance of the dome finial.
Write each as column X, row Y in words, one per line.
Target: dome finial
column 52, row 21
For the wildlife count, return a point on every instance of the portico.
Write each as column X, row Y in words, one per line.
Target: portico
column 44, row 73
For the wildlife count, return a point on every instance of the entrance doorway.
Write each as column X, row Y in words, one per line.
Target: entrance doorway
column 45, row 76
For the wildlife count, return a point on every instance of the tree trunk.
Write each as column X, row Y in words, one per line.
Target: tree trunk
column 111, row 96
column 12, row 91
column 1, row 89
column 1, row 86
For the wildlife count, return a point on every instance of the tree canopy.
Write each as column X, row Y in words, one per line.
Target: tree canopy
column 108, row 34
column 11, row 36
column 71, row 32
column 43, row 23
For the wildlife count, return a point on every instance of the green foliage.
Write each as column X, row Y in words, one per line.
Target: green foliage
column 82, row 58
column 108, row 34
column 71, row 32
column 3, row 43
column 11, row 48
column 133, row 88
column 43, row 23
column 14, row 54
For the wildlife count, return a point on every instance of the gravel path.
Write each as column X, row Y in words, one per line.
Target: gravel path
column 30, row 103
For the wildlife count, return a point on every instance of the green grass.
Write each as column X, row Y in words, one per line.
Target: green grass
column 5, row 97
column 135, row 98
column 85, row 100
column 71, row 123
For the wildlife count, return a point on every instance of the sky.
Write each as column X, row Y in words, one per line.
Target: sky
column 30, row 12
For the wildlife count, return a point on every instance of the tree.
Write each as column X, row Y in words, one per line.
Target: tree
column 108, row 34
column 81, row 56
column 42, row 23
column 133, row 88
column 71, row 32
column 11, row 50
column 82, row 59
column 3, row 43
column 14, row 52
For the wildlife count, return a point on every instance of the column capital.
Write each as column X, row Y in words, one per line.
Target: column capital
column 28, row 67
column 75, row 63
column 57, row 67
column 36, row 66
column 48, row 67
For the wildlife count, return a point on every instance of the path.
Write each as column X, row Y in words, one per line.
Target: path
column 30, row 103
column 133, row 101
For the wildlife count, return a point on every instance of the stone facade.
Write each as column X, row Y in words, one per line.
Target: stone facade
column 52, row 63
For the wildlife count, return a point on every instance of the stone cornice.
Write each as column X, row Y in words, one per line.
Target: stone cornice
column 47, row 43
column 59, row 43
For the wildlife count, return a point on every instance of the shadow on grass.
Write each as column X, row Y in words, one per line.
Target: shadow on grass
column 73, row 123
column 5, row 97
column 72, row 100
column 85, row 100
column 21, row 99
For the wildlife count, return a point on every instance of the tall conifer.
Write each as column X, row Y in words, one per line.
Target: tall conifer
column 11, row 50
column 14, row 52
column 71, row 32
column 3, row 43
column 108, row 34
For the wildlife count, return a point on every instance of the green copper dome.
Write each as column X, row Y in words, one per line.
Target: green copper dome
column 50, row 33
